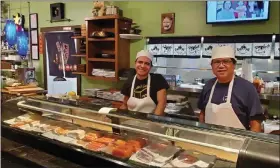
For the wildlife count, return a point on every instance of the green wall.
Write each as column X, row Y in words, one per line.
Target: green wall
column 190, row 19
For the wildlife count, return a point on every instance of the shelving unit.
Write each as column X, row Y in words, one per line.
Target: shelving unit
column 79, row 73
column 78, row 55
column 118, row 48
column 78, row 41
column 78, row 37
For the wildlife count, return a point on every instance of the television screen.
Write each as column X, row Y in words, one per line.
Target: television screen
column 237, row 11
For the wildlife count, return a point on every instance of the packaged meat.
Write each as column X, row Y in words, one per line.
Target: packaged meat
column 60, row 131
column 95, row 146
column 42, row 128
column 155, row 154
column 91, row 136
column 23, row 118
column 10, row 121
column 63, row 138
column 18, row 124
column 136, row 144
column 25, row 127
column 77, row 134
column 119, row 149
column 50, row 135
column 46, row 128
column 105, row 140
column 35, row 123
column 79, row 142
column 123, row 151
column 192, row 159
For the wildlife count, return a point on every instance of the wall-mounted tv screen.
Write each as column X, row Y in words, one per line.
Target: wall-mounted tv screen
column 236, row 11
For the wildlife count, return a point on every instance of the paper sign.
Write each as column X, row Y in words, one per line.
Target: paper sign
column 243, row 49
column 193, row 49
column 155, row 49
column 180, row 49
column 166, row 49
column 106, row 110
column 207, row 49
column 261, row 49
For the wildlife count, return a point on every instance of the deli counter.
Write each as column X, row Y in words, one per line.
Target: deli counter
column 92, row 135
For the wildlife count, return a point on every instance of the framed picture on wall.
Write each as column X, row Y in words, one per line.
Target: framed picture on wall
column 34, row 37
column 35, row 52
column 167, row 23
column 34, row 20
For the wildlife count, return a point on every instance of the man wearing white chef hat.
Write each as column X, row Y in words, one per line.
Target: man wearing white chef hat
column 145, row 92
column 229, row 100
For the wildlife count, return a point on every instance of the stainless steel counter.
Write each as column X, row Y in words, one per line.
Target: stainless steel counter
column 275, row 97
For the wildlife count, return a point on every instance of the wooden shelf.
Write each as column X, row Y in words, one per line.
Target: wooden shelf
column 102, row 78
column 102, row 59
column 78, row 55
column 107, row 17
column 131, row 36
column 115, row 46
column 79, row 73
column 102, row 39
column 78, row 37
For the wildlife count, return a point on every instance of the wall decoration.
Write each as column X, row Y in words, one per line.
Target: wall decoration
column 193, row 50
column 243, row 49
column 11, row 32
column 261, row 50
column 227, row 44
column 35, row 52
column 166, row 49
column 22, row 44
column 34, row 36
column 59, row 48
column 19, row 21
column 33, row 19
column 167, row 23
column 41, row 44
column 57, row 11
column 207, row 49
column 98, row 8
column 155, row 49
column 180, row 49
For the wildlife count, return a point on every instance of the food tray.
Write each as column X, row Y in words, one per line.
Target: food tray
column 192, row 159
column 155, row 154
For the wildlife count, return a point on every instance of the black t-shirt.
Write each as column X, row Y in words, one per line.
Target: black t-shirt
column 158, row 82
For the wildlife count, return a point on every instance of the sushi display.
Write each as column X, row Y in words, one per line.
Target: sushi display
column 137, row 150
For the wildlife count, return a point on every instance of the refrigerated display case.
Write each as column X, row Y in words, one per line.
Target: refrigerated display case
column 88, row 134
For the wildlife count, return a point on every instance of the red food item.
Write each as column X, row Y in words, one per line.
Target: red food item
column 104, row 140
column 91, row 137
column 136, row 144
column 95, row 146
column 120, row 142
column 61, row 131
column 123, row 151
column 67, row 67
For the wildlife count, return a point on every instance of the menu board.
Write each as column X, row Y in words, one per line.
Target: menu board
column 261, row 50
column 243, row 49
column 180, row 49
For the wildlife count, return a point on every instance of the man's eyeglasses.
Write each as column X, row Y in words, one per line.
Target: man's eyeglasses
column 218, row 62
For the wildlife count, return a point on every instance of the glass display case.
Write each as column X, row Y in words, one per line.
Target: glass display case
column 131, row 139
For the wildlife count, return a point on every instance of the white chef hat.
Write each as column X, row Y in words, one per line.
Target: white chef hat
column 144, row 53
column 223, row 52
